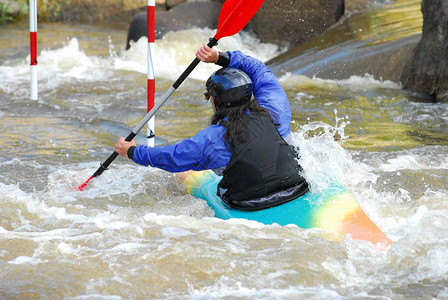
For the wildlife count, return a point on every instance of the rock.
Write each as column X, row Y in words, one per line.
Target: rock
column 280, row 22
column 183, row 16
column 171, row 3
column 384, row 61
column 295, row 21
column 188, row 15
column 427, row 71
column 137, row 28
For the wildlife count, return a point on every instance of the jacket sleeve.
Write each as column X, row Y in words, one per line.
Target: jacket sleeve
column 206, row 150
column 267, row 90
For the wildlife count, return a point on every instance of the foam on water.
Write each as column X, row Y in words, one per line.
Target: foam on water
column 354, row 83
column 414, row 161
column 56, row 66
column 23, row 260
column 69, row 63
column 174, row 53
column 127, row 241
column 176, row 50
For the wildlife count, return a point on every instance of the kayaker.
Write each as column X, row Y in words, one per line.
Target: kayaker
column 242, row 143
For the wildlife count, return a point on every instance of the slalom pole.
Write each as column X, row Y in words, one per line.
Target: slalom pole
column 151, row 81
column 33, row 48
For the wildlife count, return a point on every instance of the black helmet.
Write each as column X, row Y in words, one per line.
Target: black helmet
column 231, row 86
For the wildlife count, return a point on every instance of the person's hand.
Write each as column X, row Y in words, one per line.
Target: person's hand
column 121, row 147
column 207, row 54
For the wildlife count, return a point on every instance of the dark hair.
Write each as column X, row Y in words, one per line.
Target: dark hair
column 237, row 120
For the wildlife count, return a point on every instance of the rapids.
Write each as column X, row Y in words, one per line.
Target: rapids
column 135, row 234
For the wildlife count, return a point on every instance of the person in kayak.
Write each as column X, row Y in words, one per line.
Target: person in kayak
column 247, row 141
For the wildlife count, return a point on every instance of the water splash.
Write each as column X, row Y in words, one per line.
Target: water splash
column 323, row 158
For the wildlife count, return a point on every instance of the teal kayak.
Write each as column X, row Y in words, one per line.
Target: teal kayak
column 333, row 210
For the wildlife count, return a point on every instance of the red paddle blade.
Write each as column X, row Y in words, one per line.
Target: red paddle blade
column 82, row 186
column 234, row 15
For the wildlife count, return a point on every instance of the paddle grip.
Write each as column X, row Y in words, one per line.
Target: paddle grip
column 103, row 167
column 212, row 42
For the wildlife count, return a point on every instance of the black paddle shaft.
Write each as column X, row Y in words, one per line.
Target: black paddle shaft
column 103, row 166
column 212, row 42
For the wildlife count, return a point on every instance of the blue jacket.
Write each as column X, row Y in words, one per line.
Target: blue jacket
column 207, row 149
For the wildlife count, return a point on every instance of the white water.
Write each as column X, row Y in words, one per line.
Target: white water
column 172, row 55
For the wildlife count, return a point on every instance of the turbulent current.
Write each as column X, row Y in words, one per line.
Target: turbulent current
column 134, row 233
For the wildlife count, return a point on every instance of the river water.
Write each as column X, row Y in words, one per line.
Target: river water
column 135, row 234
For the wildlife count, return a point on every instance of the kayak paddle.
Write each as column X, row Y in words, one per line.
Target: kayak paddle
column 234, row 15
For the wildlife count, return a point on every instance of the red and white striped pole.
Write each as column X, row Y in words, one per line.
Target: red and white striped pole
column 151, row 82
column 33, row 48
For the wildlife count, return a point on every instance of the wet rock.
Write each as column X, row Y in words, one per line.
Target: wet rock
column 188, row 15
column 427, row 71
column 280, row 22
column 295, row 21
column 384, row 61
column 137, row 28
column 171, row 3
column 183, row 16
